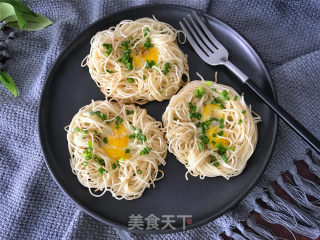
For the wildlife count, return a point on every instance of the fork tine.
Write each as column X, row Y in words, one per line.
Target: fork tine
column 203, row 37
column 207, row 31
column 200, row 42
column 193, row 43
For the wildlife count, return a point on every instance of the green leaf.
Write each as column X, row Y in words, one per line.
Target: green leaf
column 19, row 6
column 9, row 83
column 32, row 23
column 6, row 11
column 19, row 16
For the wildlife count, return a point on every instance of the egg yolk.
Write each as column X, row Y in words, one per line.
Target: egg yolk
column 142, row 55
column 216, row 139
column 118, row 141
column 211, row 110
column 214, row 110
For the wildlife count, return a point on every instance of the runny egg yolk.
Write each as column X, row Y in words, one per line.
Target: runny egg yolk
column 141, row 56
column 214, row 110
column 117, row 143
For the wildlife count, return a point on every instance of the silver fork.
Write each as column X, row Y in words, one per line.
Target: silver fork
column 214, row 53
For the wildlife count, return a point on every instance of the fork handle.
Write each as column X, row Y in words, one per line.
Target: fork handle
column 285, row 116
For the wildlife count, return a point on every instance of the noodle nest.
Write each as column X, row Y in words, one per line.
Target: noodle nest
column 116, row 148
column 210, row 129
column 137, row 61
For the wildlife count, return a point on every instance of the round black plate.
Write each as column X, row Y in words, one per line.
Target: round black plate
column 70, row 87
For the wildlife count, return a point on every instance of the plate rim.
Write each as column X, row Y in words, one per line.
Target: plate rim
column 49, row 78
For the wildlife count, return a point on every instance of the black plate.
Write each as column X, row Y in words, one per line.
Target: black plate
column 70, row 87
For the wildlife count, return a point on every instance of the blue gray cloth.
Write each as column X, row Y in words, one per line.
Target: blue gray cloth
column 285, row 33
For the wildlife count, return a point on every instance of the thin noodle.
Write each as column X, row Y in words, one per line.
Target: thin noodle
column 183, row 135
column 156, row 85
column 124, row 182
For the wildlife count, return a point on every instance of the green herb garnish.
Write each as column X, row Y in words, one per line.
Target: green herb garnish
column 240, row 121
column 224, row 94
column 235, row 98
column 224, row 158
column 108, row 46
column 139, row 171
column 243, row 111
column 130, row 80
column 145, row 151
column 105, row 140
column 130, row 112
column 146, row 32
column 101, row 170
column 166, row 68
column 127, row 150
column 150, row 64
column 199, row 92
column 147, row 43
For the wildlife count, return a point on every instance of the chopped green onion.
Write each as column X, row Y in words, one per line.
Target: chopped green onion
column 125, row 44
column 130, row 112
column 130, row 80
column 150, row 64
column 220, row 133
column 243, row 111
column 216, row 164
column 145, row 151
column 91, row 112
column 199, row 92
column 144, row 77
column 84, row 131
column 132, row 128
column 224, row 94
column 213, row 159
column 127, row 150
column 85, row 163
column 95, row 132
column 76, row 129
column 240, row 121
column 147, row 43
column 118, row 120
column 109, row 71
column 105, row 140
column 114, row 166
column 101, row 170
column 132, row 136
column 235, row 98
column 146, row 32
column 221, row 106
column 101, row 161
column 208, row 83
column 232, row 148
column 200, row 146
column 213, row 142
column 108, row 46
column 213, row 89
column 139, row 171
column 122, row 159
column 166, row 68
column 224, row 158
column 175, row 119
column 214, row 135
